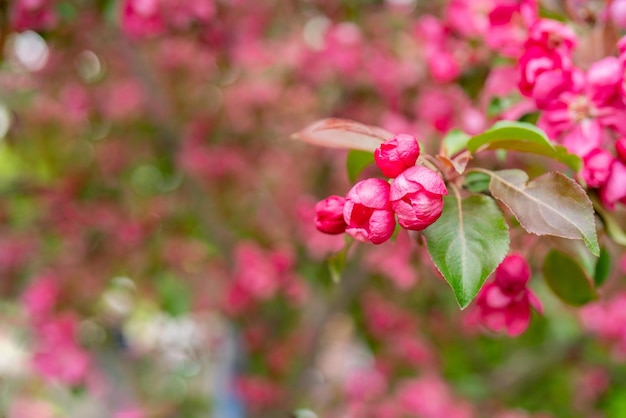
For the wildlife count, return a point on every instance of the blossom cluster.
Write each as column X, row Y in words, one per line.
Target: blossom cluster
column 369, row 210
column 582, row 109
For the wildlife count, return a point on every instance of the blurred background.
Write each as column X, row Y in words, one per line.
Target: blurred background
column 158, row 256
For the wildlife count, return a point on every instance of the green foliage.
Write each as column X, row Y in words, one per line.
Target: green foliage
column 356, row 162
column 523, row 137
column 568, row 279
column 603, row 267
column 551, row 204
column 467, row 243
column 453, row 142
column 477, row 182
column 175, row 295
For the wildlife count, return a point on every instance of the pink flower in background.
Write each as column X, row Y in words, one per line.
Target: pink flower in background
column 329, row 215
column 142, row 18
column 368, row 213
column 469, row 17
column 31, row 408
column 130, row 413
column 393, row 260
column 597, row 167
column 429, row 397
column 546, row 65
column 32, row 14
column 58, row 357
column 40, row 297
column 509, row 22
column 617, row 13
column 397, row 154
column 417, row 197
column 614, row 190
column 504, row 304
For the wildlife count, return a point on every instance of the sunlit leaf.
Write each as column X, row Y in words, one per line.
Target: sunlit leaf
column 467, row 243
column 453, row 142
column 567, row 279
column 552, row 204
column 523, row 137
column 343, row 133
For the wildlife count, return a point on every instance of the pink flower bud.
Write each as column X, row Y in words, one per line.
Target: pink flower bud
column 329, row 215
column 367, row 212
column 417, row 197
column 397, row 154
column 620, row 147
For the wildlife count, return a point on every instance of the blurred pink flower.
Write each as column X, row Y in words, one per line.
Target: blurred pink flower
column 142, row 18
column 40, row 297
column 58, row 357
column 329, row 215
column 32, row 14
column 504, row 304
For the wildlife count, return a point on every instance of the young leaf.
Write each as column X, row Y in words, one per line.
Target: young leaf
column 567, row 279
column 611, row 226
column 551, row 204
column 453, row 142
column 343, row 133
column 356, row 162
column 603, row 267
column 467, row 243
column 477, row 182
column 524, row 137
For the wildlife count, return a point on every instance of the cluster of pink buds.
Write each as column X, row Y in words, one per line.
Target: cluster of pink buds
column 504, row 303
column 368, row 212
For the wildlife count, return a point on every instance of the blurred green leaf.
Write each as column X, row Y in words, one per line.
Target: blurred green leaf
column 611, row 226
column 453, row 142
column 567, row 279
column 174, row 295
column 603, row 267
column 357, row 161
column 467, row 243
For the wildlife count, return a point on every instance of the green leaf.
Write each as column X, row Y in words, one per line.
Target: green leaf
column 551, row 204
column 524, row 137
column 477, row 182
column 453, row 142
column 356, row 162
column 611, row 226
column 467, row 243
column 567, row 279
column 175, row 296
column 603, row 267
